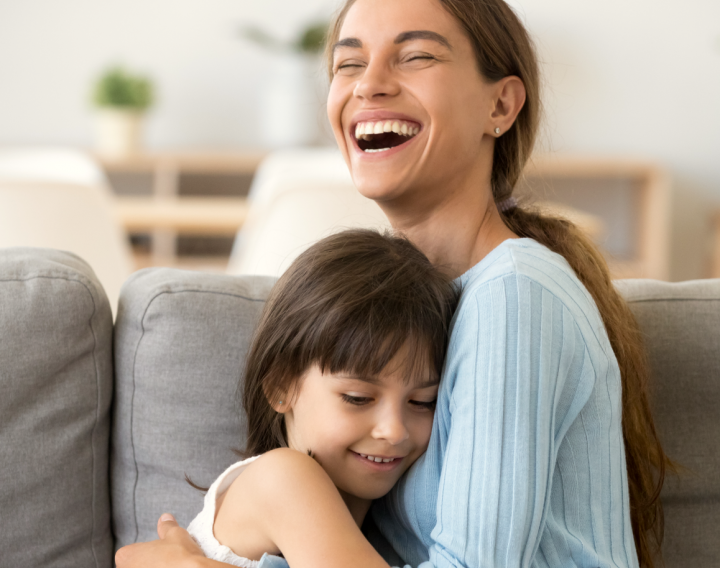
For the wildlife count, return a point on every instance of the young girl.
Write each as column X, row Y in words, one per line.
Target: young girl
column 340, row 388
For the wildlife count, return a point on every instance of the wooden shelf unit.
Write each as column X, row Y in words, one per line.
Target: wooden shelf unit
column 651, row 258
column 715, row 263
column 165, row 214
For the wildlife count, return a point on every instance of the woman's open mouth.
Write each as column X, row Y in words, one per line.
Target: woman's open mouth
column 384, row 135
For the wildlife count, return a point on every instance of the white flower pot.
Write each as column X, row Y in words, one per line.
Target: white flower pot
column 292, row 106
column 118, row 131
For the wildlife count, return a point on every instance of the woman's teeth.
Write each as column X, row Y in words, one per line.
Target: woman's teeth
column 378, row 460
column 384, row 135
column 366, row 130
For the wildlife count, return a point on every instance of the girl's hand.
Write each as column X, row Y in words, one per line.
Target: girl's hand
column 175, row 549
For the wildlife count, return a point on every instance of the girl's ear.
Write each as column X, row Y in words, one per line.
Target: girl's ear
column 278, row 401
column 280, row 406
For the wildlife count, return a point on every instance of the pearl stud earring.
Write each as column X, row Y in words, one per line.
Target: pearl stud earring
column 497, row 131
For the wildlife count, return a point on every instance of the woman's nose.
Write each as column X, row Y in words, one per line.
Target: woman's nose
column 391, row 427
column 376, row 82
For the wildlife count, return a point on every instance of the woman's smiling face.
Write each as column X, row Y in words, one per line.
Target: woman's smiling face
column 407, row 104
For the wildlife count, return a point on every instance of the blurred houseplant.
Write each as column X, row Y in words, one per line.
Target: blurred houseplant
column 291, row 107
column 121, row 99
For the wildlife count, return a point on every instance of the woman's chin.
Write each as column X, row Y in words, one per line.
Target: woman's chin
column 378, row 188
column 378, row 192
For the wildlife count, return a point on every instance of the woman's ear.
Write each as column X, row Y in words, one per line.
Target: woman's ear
column 509, row 99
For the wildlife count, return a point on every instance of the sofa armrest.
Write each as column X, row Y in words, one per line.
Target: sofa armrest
column 55, row 393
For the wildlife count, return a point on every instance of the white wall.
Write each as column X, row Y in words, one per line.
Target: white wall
column 635, row 78
column 639, row 78
column 208, row 78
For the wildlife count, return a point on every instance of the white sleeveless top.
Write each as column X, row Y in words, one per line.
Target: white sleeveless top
column 201, row 527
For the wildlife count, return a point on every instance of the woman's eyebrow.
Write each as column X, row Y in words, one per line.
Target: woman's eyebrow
column 348, row 42
column 423, row 34
column 401, row 38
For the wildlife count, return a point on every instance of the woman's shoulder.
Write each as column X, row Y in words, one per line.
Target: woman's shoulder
column 520, row 257
column 524, row 263
column 521, row 276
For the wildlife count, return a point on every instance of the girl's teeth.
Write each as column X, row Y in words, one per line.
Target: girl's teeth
column 404, row 129
column 377, row 460
column 379, row 128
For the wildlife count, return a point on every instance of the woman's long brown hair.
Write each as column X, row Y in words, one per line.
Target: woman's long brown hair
column 503, row 48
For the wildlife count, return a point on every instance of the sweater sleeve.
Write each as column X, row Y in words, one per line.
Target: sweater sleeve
column 517, row 376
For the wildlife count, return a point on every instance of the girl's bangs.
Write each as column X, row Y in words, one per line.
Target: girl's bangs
column 369, row 354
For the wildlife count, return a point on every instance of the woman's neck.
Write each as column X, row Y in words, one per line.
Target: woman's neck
column 457, row 232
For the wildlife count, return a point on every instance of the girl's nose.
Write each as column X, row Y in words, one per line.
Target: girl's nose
column 391, row 427
column 376, row 82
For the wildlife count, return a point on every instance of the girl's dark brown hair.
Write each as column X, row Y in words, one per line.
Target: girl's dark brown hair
column 503, row 48
column 349, row 304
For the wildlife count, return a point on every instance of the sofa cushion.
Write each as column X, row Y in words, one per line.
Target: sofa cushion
column 180, row 343
column 681, row 325
column 55, row 392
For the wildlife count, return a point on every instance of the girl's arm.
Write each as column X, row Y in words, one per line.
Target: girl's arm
column 293, row 502
column 175, row 548
column 287, row 500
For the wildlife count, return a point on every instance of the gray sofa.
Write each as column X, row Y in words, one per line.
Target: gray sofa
column 99, row 424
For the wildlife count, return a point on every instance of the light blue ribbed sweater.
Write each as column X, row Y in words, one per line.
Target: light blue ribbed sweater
column 526, row 463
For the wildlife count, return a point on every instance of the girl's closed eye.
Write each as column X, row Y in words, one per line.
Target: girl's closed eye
column 363, row 400
column 424, row 404
column 355, row 400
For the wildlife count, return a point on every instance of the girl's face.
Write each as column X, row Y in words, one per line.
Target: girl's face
column 364, row 431
column 407, row 66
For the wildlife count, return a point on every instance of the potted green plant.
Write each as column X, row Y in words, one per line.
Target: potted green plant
column 121, row 99
column 291, row 105
column 310, row 41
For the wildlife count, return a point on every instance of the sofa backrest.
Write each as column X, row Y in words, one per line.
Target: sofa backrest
column 681, row 325
column 55, row 391
column 180, row 343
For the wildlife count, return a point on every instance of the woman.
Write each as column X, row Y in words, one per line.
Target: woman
column 543, row 450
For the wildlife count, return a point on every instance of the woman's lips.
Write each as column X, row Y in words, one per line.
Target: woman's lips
column 383, row 138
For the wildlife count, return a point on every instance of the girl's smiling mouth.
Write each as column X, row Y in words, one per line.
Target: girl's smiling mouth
column 379, row 462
